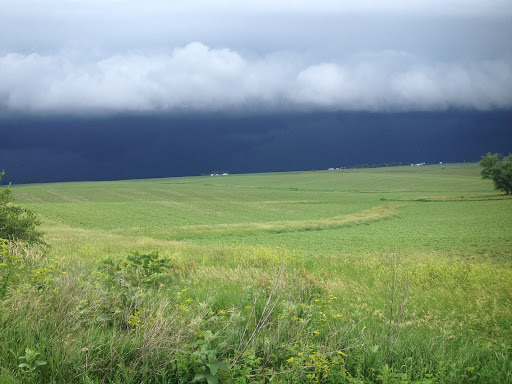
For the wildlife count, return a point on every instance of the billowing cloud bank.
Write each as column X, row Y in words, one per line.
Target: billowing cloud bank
column 198, row 78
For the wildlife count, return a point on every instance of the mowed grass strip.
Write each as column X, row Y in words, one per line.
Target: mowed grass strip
column 373, row 214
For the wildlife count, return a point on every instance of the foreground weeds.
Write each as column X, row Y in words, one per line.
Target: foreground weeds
column 229, row 316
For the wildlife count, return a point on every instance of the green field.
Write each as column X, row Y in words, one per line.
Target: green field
column 385, row 275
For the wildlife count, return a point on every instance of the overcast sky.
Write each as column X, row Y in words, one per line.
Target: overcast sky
column 109, row 89
column 113, row 56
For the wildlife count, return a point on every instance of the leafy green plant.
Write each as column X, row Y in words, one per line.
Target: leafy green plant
column 142, row 269
column 208, row 354
column 31, row 363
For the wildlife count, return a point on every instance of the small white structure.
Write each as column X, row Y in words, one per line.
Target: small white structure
column 225, row 174
column 331, row 169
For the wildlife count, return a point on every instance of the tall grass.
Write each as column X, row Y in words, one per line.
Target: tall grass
column 420, row 318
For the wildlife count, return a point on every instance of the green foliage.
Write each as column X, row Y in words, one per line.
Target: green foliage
column 499, row 171
column 31, row 362
column 17, row 268
column 143, row 270
column 17, row 223
column 127, row 279
column 210, row 365
column 11, row 267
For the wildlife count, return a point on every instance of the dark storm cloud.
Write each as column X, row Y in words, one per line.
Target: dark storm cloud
column 36, row 150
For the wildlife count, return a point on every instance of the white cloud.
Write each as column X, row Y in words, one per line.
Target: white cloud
column 198, row 78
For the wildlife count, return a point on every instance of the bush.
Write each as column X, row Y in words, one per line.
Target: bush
column 17, row 222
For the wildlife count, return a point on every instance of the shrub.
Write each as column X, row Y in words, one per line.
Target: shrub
column 17, row 222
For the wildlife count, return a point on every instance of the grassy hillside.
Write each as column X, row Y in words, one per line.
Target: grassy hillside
column 373, row 275
column 434, row 208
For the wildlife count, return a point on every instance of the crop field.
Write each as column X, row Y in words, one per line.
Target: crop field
column 386, row 275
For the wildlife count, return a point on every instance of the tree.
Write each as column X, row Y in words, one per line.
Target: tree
column 499, row 171
column 17, row 223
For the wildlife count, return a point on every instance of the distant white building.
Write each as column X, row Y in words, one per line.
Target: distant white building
column 331, row 169
column 225, row 174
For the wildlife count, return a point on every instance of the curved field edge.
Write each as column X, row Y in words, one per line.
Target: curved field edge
column 364, row 217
